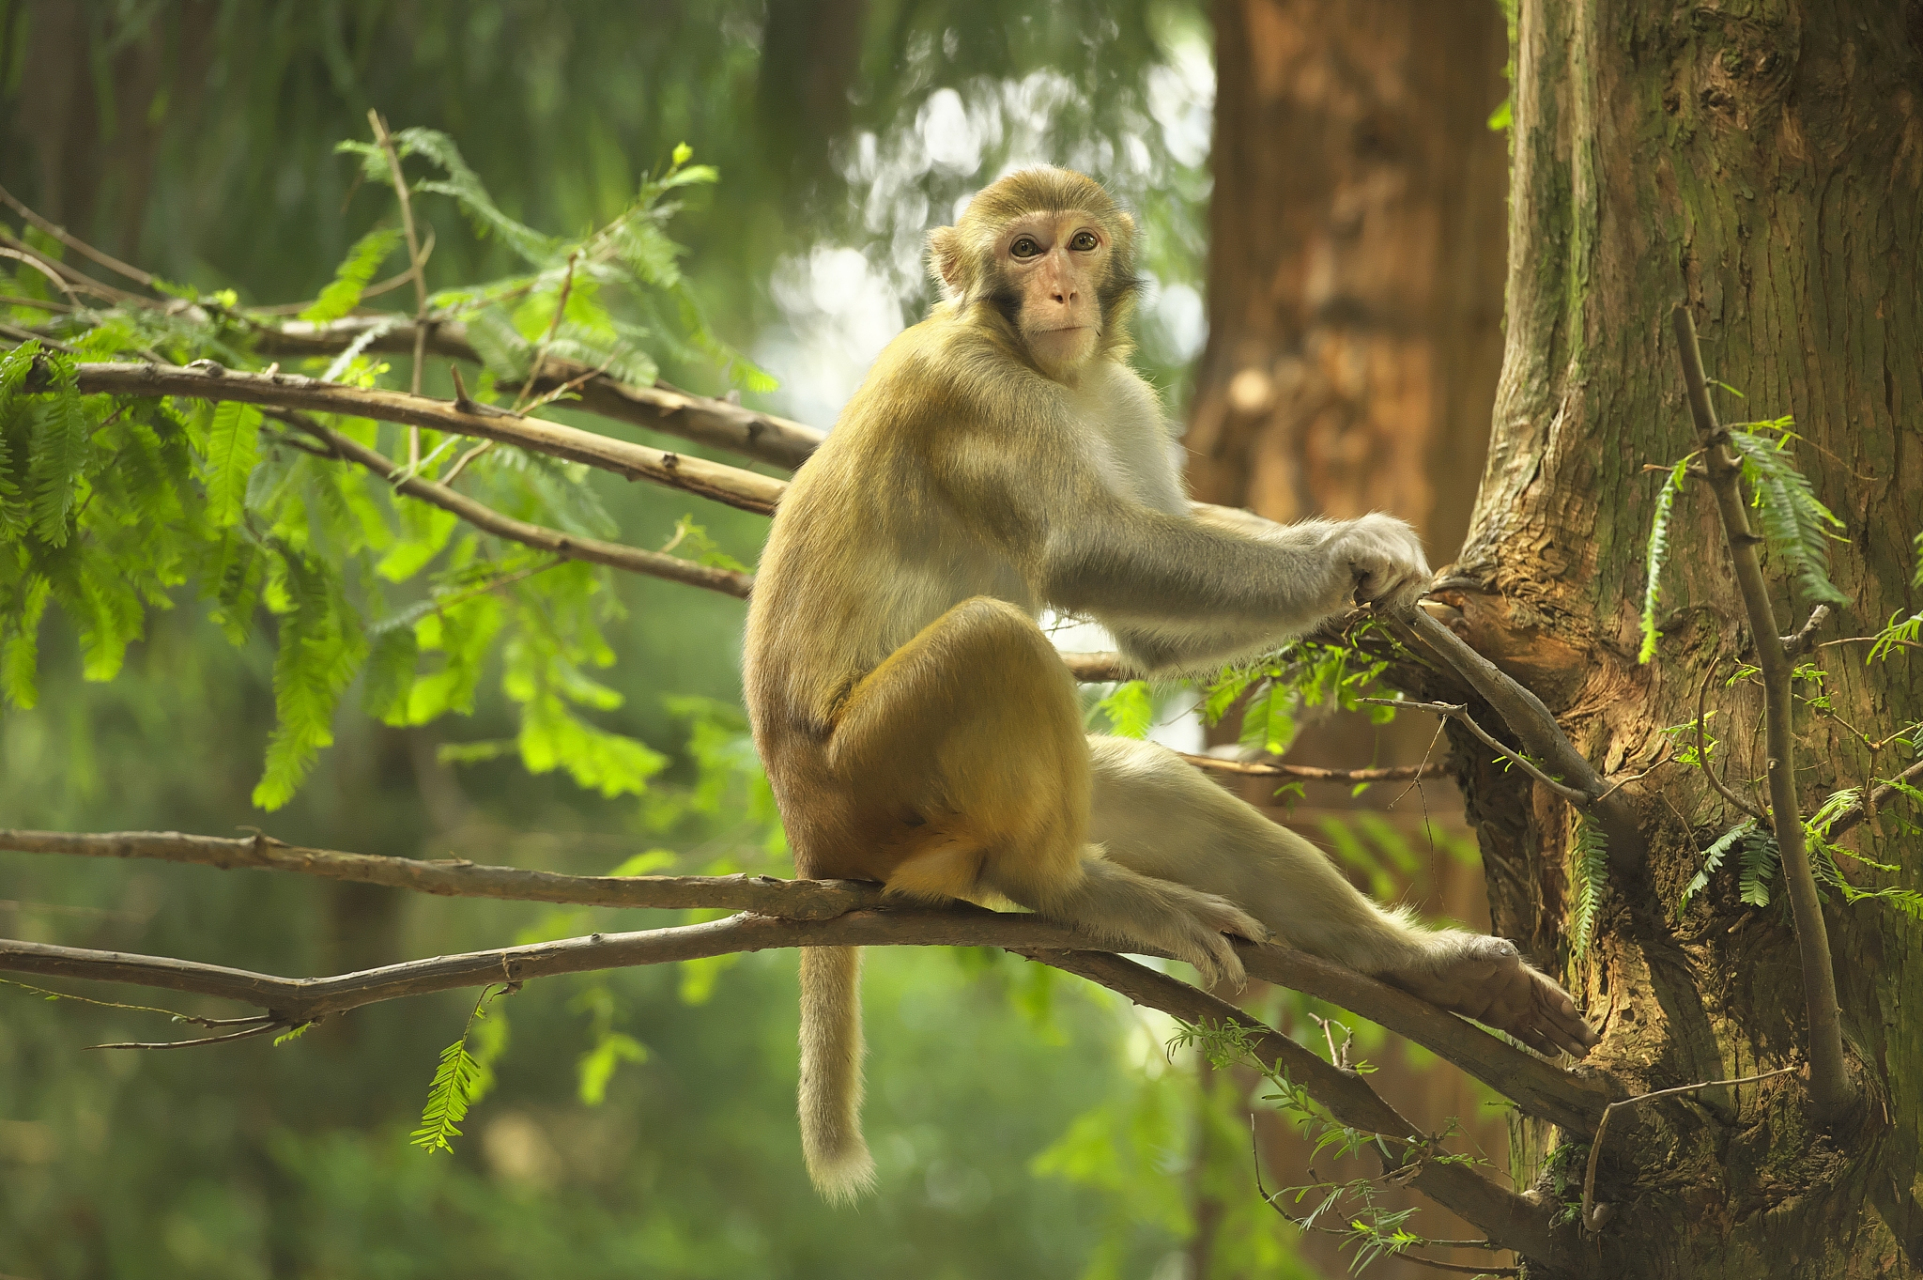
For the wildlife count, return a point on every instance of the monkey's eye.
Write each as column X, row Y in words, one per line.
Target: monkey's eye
column 1025, row 247
column 1084, row 240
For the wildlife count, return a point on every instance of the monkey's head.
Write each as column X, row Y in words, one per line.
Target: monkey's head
column 1054, row 256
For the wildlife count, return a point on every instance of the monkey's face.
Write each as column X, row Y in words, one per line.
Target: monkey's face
column 1052, row 268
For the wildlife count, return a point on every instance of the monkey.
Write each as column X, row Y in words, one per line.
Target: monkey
column 919, row 729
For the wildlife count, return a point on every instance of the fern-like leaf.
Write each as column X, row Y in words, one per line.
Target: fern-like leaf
column 1795, row 525
column 1713, row 859
column 1130, row 709
column 321, row 648
column 459, row 1080
column 1588, row 876
column 233, row 446
column 57, row 454
column 353, row 275
column 1759, row 857
column 1658, row 554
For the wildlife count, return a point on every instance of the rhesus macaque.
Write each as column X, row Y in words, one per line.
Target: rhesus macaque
column 919, row 729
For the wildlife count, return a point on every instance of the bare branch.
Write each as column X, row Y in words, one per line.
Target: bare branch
column 459, row 878
column 75, row 243
column 1511, row 1221
column 1310, row 773
column 1536, row 1086
column 206, row 380
column 571, row 546
column 1830, row 1088
column 1459, row 712
column 1796, row 644
column 761, row 436
column 1596, row 1216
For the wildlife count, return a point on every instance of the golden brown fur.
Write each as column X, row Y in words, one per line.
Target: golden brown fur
column 919, row 729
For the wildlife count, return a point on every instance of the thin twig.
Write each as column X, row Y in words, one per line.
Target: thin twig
column 271, row 1024
column 761, row 436
column 415, row 264
column 208, row 380
column 75, row 243
column 41, row 304
column 554, row 327
column 1878, row 797
column 1310, row 773
column 1830, row 1087
column 1596, row 1216
column 38, row 265
column 572, row 546
column 1459, row 712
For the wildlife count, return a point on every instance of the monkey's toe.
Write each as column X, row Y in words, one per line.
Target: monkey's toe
column 1488, row 980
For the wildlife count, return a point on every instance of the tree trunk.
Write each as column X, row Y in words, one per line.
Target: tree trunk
column 1355, row 296
column 1764, row 164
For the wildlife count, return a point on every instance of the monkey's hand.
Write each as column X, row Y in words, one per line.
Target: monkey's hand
column 1379, row 558
column 1487, row 979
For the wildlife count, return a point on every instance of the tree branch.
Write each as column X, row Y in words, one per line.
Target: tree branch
column 1879, row 796
column 761, row 436
column 1509, row 1219
column 1535, row 1085
column 572, row 546
column 75, row 243
column 205, row 380
column 1541, row 737
column 1459, row 712
column 1830, row 1088
column 1310, row 773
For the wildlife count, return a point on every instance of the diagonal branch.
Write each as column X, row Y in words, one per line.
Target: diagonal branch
column 205, row 380
column 571, row 546
column 1535, row 1085
column 1511, row 1221
column 1541, row 737
column 1508, row 1218
column 1830, row 1088
column 761, row 436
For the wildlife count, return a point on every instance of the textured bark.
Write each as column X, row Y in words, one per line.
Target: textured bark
column 1355, row 298
column 1765, row 164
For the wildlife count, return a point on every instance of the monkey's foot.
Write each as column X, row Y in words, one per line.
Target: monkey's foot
column 1195, row 931
column 1488, row 980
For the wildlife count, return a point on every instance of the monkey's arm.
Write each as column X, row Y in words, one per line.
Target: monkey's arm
column 1233, row 519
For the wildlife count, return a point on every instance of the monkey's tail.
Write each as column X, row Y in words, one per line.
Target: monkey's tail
column 831, row 1052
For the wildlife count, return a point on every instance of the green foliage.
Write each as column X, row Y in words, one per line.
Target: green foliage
column 1796, row 527
column 1759, row 857
column 354, row 274
column 1305, row 677
column 109, row 505
column 459, row 1082
column 1657, row 554
column 1130, row 709
column 1713, row 859
column 1588, row 876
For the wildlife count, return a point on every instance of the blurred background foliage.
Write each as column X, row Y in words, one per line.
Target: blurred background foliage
column 641, row 1122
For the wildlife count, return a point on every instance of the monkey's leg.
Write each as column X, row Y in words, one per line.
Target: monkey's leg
column 1158, row 815
column 974, row 729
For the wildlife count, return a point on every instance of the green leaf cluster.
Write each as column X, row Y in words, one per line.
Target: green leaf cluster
column 111, row 507
column 1796, row 527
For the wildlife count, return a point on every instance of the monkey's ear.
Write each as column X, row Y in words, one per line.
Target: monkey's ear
column 945, row 261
